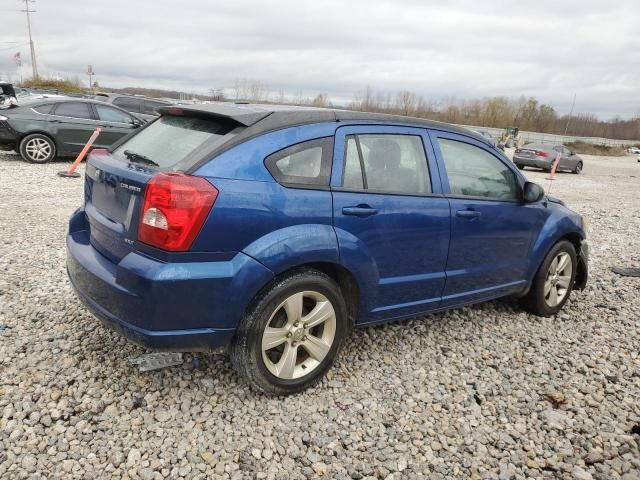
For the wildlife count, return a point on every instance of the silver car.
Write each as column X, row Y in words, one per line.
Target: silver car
column 542, row 156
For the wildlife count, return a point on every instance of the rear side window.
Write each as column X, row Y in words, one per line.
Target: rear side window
column 129, row 104
column 386, row 164
column 73, row 110
column 474, row 172
column 303, row 164
column 169, row 140
column 44, row 108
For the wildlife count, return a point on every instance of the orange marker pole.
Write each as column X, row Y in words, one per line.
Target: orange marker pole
column 71, row 173
column 552, row 174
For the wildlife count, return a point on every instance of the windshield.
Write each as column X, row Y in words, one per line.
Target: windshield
column 171, row 139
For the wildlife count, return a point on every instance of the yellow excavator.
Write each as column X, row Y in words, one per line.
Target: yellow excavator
column 511, row 138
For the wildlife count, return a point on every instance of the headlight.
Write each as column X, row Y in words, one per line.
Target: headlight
column 3, row 118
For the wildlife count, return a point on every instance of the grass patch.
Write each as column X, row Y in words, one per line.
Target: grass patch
column 592, row 149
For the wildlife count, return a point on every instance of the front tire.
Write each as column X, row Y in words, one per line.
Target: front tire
column 292, row 333
column 578, row 168
column 553, row 282
column 37, row 148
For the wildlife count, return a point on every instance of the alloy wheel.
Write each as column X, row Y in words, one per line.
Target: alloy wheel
column 299, row 335
column 558, row 279
column 38, row 149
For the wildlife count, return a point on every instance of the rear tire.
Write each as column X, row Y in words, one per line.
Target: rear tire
column 37, row 148
column 298, row 324
column 553, row 283
column 578, row 168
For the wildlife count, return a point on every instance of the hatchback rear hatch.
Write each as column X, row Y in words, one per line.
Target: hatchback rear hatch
column 116, row 180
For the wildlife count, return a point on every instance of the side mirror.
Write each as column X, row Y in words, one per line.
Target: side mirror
column 532, row 192
column 135, row 123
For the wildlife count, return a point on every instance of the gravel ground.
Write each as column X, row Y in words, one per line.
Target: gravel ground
column 480, row 392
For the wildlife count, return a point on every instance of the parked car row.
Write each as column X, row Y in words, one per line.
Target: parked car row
column 274, row 230
column 50, row 127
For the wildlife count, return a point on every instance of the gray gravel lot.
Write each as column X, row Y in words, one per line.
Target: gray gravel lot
column 480, row 392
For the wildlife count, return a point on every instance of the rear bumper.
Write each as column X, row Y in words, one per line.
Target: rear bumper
column 191, row 306
column 532, row 162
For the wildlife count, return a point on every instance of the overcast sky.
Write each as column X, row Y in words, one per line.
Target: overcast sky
column 463, row 49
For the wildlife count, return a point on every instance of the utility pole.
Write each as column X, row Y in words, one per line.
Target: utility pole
column 573, row 104
column 34, row 66
column 91, row 73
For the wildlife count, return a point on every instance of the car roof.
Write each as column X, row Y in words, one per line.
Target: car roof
column 130, row 95
column 261, row 118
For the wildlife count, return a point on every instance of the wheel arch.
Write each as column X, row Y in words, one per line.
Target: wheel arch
column 39, row 132
column 344, row 278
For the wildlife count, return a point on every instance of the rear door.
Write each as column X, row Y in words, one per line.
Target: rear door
column 114, row 123
column 390, row 217
column 72, row 124
column 491, row 228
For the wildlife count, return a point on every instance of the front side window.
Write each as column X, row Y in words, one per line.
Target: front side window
column 474, row 172
column 129, row 104
column 387, row 164
column 171, row 139
column 109, row 114
column 307, row 163
column 73, row 110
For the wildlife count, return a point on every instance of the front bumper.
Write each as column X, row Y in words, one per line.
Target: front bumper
column 582, row 275
column 8, row 136
column 190, row 306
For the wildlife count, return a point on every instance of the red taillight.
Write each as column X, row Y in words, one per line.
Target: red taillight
column 174, row 209
column 540, row 153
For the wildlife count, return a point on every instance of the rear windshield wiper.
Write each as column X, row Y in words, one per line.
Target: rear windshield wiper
column 136, row 157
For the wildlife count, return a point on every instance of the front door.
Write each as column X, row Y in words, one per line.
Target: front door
column 491, row 227
column 114, row 124
column 391, row 219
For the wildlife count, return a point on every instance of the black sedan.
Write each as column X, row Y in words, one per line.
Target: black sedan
column 43, row 129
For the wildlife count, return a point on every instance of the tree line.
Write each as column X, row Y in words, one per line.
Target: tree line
column 528, row 114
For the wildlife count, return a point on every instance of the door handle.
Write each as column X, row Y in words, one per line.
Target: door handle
column 359, row 211
column 468, row 214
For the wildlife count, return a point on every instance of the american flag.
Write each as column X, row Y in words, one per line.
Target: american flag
column 16, row 59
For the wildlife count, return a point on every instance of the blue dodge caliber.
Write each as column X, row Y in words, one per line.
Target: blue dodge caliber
column 274, row 230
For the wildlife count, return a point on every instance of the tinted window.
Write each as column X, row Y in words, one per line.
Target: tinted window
column 129, row 104
column 151, row 107
column 474, row 172
column 170, row 140
column 73, row 110
column 109, row 114
column 307, row 163
column 44, row 108
column 392, row 164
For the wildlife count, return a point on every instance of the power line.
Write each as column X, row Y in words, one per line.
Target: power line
column 13, row 47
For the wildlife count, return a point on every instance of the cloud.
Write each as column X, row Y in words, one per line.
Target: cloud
column 462, row 49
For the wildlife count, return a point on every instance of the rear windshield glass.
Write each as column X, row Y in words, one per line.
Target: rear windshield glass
column 169, row 140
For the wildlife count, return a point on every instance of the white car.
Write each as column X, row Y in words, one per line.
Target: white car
column 633, row 150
